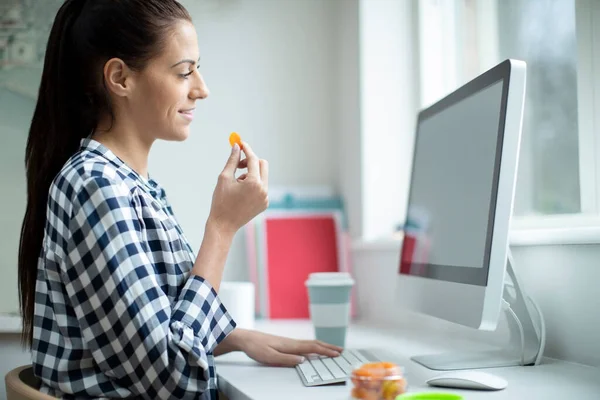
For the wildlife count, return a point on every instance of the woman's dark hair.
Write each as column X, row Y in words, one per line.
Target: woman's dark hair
column 73, row 97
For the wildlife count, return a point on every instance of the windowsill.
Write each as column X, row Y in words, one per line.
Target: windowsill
column 555, row 230
column 10, row 323
column 555, row 236
column 387, row 244
column 532, row 231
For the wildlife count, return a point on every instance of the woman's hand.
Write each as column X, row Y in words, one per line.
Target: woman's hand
column 274, row 350
column 237, row 200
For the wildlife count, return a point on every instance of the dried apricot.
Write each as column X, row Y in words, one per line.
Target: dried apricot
column 235, row 138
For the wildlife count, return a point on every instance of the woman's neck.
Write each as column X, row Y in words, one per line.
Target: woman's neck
column 127, row 144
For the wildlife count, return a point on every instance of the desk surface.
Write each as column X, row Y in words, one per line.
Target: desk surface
column 240, row 378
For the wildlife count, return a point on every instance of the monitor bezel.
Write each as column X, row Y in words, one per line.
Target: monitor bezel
column 466, row 274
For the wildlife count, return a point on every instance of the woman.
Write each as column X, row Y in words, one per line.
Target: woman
column 114, row 302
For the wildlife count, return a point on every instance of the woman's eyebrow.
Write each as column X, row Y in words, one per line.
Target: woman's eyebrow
column 187, row 60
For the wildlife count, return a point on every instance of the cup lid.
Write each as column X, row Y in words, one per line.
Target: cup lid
column 329, row 279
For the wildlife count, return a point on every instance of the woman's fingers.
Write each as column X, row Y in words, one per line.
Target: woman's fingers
column 278, row 359
column 330, row 346
column 264, row 173
column 263, row 167
column 254, row 164
column 232, row 161
column 301, row 347
column 252, row 160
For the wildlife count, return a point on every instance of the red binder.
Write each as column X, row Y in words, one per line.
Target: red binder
column 297, row 247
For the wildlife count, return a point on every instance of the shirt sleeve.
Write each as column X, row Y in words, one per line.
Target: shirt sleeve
column 137, row 336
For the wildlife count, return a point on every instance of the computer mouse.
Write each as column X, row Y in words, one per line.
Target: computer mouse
column 476, row 380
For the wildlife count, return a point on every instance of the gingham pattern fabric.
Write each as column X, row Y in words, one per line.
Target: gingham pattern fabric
column 117, row 312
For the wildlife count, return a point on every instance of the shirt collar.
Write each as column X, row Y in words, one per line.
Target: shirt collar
column 94, row 146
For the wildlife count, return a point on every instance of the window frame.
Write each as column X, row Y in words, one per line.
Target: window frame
column 583, row 227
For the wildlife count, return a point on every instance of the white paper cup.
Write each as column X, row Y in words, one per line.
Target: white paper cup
column 329, row 297
column 238, row 299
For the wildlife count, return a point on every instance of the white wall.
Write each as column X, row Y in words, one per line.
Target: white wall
column 348, row 113
column 388, row 106
column 562, row 279
column 15, row 115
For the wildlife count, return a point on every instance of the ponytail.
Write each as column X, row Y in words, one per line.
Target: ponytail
column 58, row 124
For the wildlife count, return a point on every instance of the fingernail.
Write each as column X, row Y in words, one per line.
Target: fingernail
column 301, row 360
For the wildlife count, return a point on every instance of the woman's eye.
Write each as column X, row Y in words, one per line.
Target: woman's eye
column 189, row 73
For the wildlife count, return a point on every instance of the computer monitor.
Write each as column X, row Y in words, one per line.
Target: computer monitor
column 455, row 248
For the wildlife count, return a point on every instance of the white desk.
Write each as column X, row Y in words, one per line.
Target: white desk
column 240, row 378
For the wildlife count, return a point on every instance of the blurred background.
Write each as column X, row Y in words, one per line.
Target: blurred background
column 328, row 92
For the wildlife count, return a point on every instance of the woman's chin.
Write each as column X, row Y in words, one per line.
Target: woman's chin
column 178, row 135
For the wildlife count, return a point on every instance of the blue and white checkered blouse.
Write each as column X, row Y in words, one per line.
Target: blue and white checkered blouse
column 117, row 312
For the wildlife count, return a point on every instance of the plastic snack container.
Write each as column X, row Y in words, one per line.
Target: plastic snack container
column 377, row 381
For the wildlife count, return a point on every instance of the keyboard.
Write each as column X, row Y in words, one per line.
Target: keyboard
column 321, row 370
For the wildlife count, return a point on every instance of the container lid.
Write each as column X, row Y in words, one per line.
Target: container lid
column 329, row 279
column 429, row 396
column 377, row 371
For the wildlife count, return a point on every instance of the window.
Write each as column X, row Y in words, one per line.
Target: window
column 459, row 39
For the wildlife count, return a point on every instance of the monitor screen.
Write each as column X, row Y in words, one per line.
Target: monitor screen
column 454, row 182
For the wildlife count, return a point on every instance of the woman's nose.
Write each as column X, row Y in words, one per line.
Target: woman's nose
column 200, row 91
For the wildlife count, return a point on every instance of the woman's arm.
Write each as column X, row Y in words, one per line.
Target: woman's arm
column 233, row 342
column 212, row 255
column 235, row 202
column 274, row 350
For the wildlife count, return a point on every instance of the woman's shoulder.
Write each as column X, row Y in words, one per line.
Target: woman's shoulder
column 81, row 175
column 84, row 169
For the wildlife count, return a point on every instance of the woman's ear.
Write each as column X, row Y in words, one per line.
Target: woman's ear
column 118, row 77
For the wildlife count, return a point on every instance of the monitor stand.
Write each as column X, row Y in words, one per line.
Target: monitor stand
column 527, row 339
